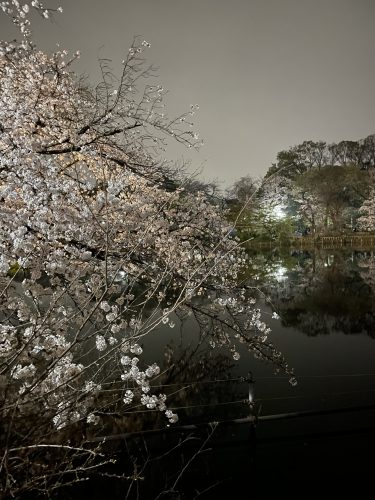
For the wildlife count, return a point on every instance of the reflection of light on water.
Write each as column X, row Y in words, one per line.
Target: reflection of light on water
column 279, row 273
column 251, row 393
column 329, row 261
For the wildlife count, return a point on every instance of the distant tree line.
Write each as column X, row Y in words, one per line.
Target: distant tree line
column 316, row 155
column 313, row 188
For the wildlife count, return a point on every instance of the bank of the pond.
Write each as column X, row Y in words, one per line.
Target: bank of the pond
column 357, row 241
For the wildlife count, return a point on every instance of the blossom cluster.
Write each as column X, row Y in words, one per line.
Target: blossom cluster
column 366, row 220
column 19, row 11
column 99, row 242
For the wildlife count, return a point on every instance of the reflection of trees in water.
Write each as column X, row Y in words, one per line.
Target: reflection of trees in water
column 366, row 264
column 326, row 292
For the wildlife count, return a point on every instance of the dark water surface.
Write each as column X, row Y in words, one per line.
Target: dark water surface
column 326, row 331
column 313, row 439
column 316, row 435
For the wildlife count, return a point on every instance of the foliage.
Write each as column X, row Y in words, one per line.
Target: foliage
column 244, row 191
column 100, row 243
column 312, row 155
column 262, row 225
column 322, row 186
column 256, row 213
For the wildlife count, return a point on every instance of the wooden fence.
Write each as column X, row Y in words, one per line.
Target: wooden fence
column 351, row 241
column 357, row 241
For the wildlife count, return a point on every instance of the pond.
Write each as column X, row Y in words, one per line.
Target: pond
column 326, row 305
column 242, row 423
column 325, row 330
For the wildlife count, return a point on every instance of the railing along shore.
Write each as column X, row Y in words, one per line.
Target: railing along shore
column 357, row 241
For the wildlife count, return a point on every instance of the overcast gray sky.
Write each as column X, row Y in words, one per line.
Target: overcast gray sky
column 267, row 74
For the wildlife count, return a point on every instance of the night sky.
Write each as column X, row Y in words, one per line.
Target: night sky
column 267, row 74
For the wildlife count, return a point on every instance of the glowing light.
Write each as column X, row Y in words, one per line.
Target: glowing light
column 279, row 273
column 278, row 212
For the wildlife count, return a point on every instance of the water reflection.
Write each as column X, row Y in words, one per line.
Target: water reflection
column 317, row 294
column 199, row 385
column 314, row 293
column 321, row 292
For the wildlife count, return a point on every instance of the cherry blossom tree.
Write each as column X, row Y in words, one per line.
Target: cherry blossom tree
column 366, row 220
column 100, row 243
